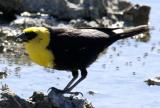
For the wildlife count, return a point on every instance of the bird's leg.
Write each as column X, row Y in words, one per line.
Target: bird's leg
column 68, row 88
column 75, row 76
column 83, row 76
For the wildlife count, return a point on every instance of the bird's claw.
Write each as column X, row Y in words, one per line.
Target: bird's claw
column 75, row 93
column 55, row 90
column 58, row 91
column 51, row 88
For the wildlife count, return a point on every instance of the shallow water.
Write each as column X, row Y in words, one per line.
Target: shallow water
column 117, row 77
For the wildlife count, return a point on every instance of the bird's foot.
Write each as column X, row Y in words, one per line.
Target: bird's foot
column 74, row 93
column 55, row 90
column 58, row 91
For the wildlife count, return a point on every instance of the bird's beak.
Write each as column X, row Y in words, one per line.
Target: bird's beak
column 21, row 38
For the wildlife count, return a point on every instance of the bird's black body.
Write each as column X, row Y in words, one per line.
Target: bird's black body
column 75, row 49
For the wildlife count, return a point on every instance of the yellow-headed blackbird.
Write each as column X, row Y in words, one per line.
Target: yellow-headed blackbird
column 71, row 49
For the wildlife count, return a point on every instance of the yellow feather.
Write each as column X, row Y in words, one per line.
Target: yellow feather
column 37, row 47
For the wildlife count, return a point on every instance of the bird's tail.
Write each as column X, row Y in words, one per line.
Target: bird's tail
column 129, row 32
column 121, row 33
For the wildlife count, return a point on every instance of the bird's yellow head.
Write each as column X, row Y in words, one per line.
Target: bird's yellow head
column 36, row 41
column 35, row 35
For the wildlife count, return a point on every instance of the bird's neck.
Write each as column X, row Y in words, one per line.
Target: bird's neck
column 40, row 55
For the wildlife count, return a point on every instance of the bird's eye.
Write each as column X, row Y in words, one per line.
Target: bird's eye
column 30, row 35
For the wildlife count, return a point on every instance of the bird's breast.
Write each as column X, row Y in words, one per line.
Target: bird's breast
column 40, row 55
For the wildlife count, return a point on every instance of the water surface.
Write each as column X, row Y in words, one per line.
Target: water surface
column 117, row 77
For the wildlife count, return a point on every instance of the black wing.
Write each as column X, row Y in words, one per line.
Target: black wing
column 76, row 48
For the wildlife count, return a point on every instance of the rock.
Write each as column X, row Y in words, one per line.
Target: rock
column 9, row 8
column 39, row 100
column 37, row 19
column 11, row 100
column 123, row 5
column 137, row 15
column 75, row 1
column 153, row 81
column 75, row 9
column 83, row 23
column 59, row 101
column 3, row 74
